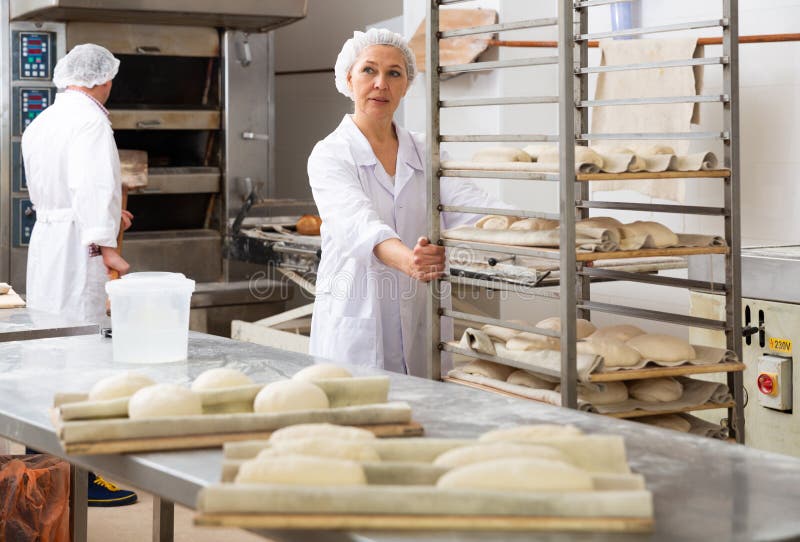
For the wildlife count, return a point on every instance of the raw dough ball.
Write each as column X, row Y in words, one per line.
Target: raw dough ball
column 488, row 369
column 320, row 430
column 620, row 332
column 495, row 222
column 288, row 396
column 584, row 327
column 658, row 235
column 321, row 371
column 534, row 224
column 301, row 470
column 605, row 222
column 518, row 474
column 656, row 390
column 501, row 154
column 664, row 348
column 615, row 352
column 524, row 378
column 119, row 385
column 612, row 393
column 502, row 333
column 4, row 288
column 521, row 433
column 354, row 450
column 668, row 421
column 477, row 453
column 221, row 377
column 309, row 225
column 164, row 400
column 525, row 341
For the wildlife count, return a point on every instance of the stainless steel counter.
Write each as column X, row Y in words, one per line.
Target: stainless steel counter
column 25, row 324
column 703, row 489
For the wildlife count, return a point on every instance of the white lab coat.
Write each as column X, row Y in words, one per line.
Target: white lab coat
column 365, row 312
column 73, row 173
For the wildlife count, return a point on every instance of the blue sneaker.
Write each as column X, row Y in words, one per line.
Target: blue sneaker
column 104, row 493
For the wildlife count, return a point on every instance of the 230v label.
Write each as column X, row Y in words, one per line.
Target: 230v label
column 783, row 346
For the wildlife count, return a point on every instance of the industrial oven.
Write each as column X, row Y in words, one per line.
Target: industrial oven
column 195, row 90
column 771, row 328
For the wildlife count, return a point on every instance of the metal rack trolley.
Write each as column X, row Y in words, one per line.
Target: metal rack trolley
column 574, row 293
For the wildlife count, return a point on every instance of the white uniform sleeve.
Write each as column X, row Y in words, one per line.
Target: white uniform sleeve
column 93, row 180
column 347, row 213
column 464, row 193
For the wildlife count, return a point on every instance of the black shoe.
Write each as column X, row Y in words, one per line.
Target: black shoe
column 104, row 493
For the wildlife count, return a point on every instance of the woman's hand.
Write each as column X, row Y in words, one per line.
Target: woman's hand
column 427, row 262
column 424, row 262
column 127, row 219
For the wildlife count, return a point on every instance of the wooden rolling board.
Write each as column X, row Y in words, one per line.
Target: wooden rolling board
column 641, row 175
column 645, row 413
column 655, row 372
column 348, row 522
column 412, row 429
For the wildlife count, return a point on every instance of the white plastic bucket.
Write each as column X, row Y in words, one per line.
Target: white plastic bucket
column 150, row 317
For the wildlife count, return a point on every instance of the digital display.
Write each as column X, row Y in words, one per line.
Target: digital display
column 34, row 101
column 34, row 55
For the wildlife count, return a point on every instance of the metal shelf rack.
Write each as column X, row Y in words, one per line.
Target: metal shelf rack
column 574, row 293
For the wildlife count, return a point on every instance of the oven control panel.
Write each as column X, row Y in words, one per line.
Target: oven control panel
column 34, row 56
column 29, row 102
column 24, row 217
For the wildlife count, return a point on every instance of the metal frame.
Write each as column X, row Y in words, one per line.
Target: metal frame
column 574, row 292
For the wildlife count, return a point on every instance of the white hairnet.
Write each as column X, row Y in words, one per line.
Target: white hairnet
column 86, row 65
column 361, row 40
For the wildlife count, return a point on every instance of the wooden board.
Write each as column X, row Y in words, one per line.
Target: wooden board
column 640, row 175
column 411, row 429
column 654, row 372
column 460, row 50
column 424, row 523
column 646, row 413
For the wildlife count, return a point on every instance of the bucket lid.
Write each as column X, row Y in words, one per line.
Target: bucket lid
column 153, row 275
column 164, row 284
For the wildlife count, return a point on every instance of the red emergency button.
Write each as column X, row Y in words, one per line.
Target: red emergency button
column 768, row 383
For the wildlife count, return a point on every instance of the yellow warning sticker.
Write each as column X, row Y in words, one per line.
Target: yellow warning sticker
column 784, row 346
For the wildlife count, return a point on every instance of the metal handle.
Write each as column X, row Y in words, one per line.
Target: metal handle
column 243, row 52
column 148, row 123
column 148, row 50
column 253, row 135
column 280, row 247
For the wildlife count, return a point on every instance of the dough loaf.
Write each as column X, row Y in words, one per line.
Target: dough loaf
column 495, row 222
column 584, row 328
column 119, row 385
column 612, row 393
column 656, row 390
column 164, row 400
column 4, row 288
column 517, row 474
column 321, row 371
column 477, row 453
column 525, row 341
column 333, row 448
column 524, row 378
column 502, row 333
column 501, row 154
column 534, row 224
column 668, row 421
column 605, row 222
column 488, row 369
column 522, row 433
column 290, row 395
column 620, row 332
column 664, row 348
column 658, row 235
column 615, row 352
column 308, row 225
column 221, row 377
column 320, row 430
column 301, row 470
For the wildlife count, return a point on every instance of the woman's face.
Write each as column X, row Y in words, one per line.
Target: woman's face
column 378, row 81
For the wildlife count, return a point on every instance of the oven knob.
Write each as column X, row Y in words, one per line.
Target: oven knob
column 768, row 383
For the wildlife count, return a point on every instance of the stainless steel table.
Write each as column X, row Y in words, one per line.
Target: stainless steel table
column 25, row 324
column 704, row 490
